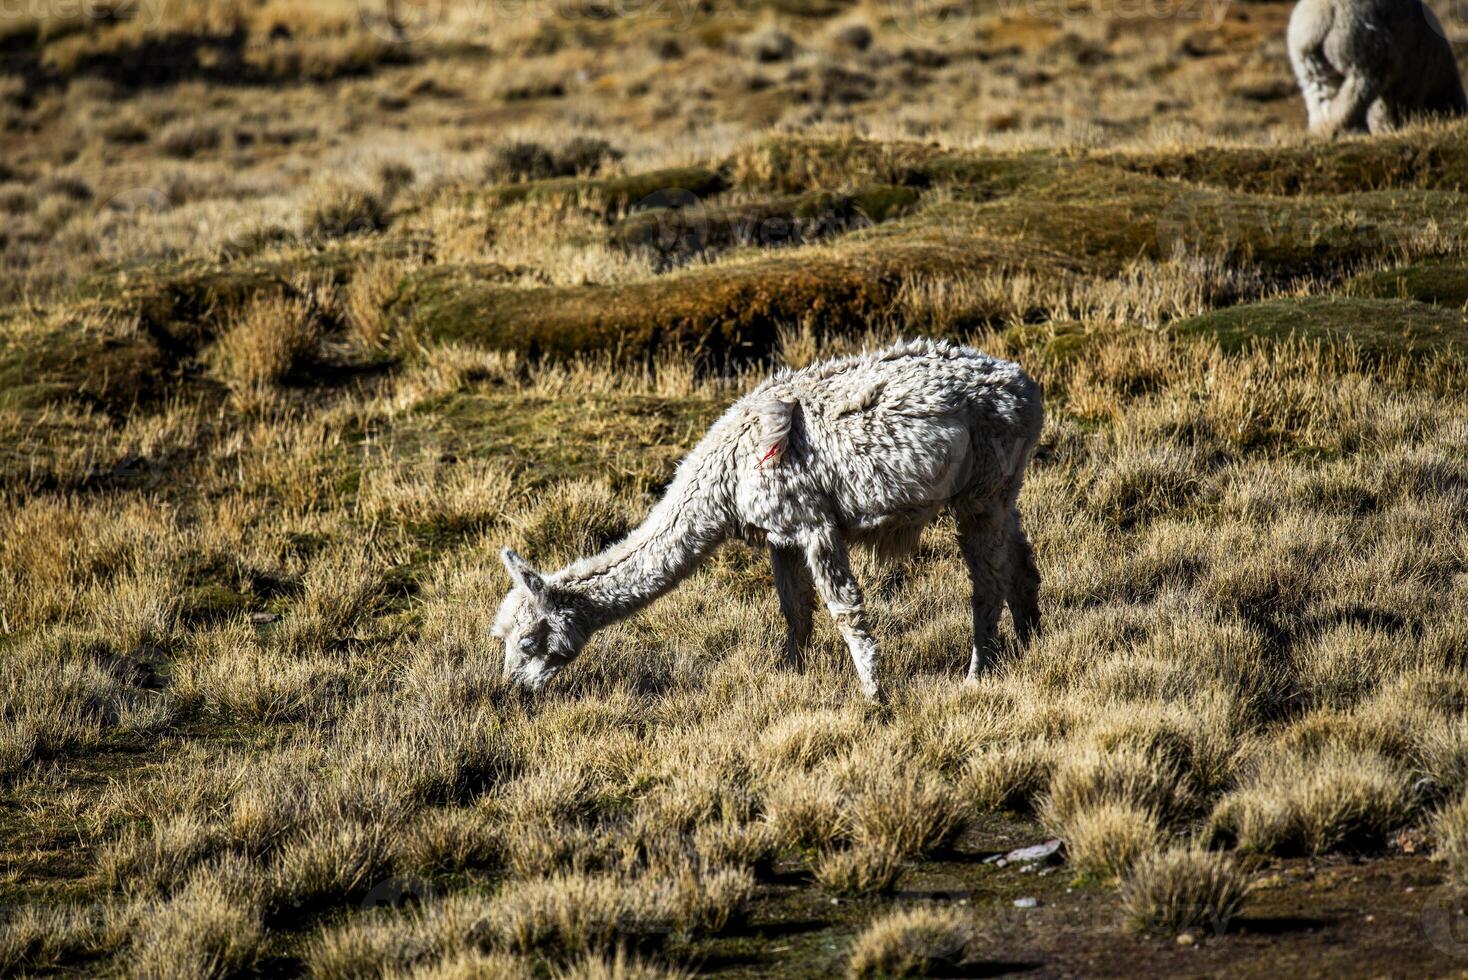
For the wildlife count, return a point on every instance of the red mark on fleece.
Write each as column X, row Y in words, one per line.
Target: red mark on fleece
column 774, row 451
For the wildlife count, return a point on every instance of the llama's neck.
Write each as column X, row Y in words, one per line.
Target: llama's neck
column 681, row 530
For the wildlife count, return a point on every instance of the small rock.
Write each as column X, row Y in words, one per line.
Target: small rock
column 1036, row 853
column 261, row 618
column 835, row 901
column 1371, row 918
column 1027, row 903
column 1186, row 939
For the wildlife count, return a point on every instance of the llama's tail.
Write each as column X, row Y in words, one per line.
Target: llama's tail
column 777, row 421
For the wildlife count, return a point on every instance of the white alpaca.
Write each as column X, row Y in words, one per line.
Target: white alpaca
column 1372, row 65
column 864, row 449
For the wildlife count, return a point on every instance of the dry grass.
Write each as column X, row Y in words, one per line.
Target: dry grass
column 1297, row 802
column 38, row 938
column 867, row 868
column 201, row 932
column 618, row 967
column 1183, row 888
column 387, row 747
column 267, row 412
column 1450, row 826
column 337, row 210
column 1107, row 839
column 904, row 812
column 577, row 913
column 913, row 942
column 265, row 342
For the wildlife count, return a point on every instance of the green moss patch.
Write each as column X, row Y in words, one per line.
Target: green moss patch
column 183, row 303
column 785, row 220
column 1443, row 282
column 612, row 195
column 111, row 369
column 1428, row 160
column 715, row 313
column 618, row 438
column 1105, row 218
column 1379, row 327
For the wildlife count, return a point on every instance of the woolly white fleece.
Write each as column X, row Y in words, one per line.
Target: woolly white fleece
column 865, row 449
column 1372, row 65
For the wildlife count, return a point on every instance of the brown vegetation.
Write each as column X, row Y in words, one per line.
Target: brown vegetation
column 302, row 316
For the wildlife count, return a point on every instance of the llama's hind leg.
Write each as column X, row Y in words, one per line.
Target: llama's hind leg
column 830, row 568
column 1024, row 585
column 985, row 539
column 1350, row 105
column 797, row 599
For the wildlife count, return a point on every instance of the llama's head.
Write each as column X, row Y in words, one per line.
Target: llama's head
column 538, row 626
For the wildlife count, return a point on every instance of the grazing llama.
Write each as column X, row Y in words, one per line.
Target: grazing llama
column 858, row 450
column 1372, row 65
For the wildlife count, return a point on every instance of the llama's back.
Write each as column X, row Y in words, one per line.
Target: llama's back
column 885, row 439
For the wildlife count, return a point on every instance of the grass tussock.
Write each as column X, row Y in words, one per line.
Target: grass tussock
column 340, row 210
column 37, row 938
column 1450, row 827
column 915, row 942
column 1105, row 841
column 865, row 868
column 571, row 914
column 1183, row 888
column 620, row 966
column 1313, row 803
column 200, row 932
column 265, row 342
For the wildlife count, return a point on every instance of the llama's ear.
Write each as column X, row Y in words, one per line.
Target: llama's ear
column 523, row 575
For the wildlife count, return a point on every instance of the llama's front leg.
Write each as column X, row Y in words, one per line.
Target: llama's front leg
column 830, row 568
column 985, row 540
column 797, row 599
column 1024, row 585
